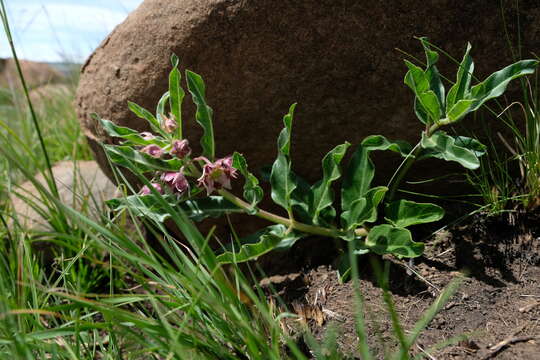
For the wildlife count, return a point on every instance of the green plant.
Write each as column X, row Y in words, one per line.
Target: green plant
column 525, row 147
column 182, row 307
column 368, row 216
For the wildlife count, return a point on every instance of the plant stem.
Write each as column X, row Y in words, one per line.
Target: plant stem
column 310, row 229
column 411, row 158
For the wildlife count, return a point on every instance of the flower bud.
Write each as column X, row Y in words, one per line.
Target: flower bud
column 170, row 124
column 145, row 190
column 147, row 135
column 217, row 175
column 176, row 181
column 153, row 150
column 180, row 149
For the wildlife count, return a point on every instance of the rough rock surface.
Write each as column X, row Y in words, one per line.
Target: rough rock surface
column 81, row 185
column 35, row 74
column 337, row 59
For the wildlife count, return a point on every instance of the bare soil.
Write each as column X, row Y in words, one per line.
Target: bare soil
column 495, row 314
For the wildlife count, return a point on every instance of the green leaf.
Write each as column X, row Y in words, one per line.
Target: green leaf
column 282, row 182
column 323, row 196
column 144, row 114
column 131, row 158
column 434, row 77
column 403, row 213
column 288, row 238
column 496, row 83
column 361, row 170
column 302, row 198
column 149, row 206
column 126, row 133
column 281, row 178
column 363, row 209
column 425, row 99
column 459, row 110
column 284, row 139
column 160, row 109
column 471, row 144
column 250, row 251
column 176, row 94
column 204, row 113
column 274, row 237
column 442, row 146
column 358, row 177
column 460, row 89
column 430, row 104
column 379, row 142
column 420, row 112
column 387, row 239
column 253, row 193
column 416, row 79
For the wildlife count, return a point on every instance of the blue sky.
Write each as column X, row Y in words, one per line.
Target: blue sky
column 58, row 30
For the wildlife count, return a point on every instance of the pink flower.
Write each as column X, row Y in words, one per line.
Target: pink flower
column 147, row 135
column 180, row 149
column 176, row 181
column 153, row 150
column 145, row 190
column 217, row 175
column 169, row 124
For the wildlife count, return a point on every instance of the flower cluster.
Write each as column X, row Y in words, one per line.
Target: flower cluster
column 216, row 175
column 176, row 181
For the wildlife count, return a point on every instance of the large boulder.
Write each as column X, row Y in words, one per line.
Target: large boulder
column 337, row 59
column 35, row 74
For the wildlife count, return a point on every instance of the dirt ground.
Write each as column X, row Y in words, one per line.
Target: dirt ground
column 495, row 314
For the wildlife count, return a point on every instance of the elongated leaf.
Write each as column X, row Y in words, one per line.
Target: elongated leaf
column 204, row 113
column 460, row 89
column 282, row 182
column 253, row 193
column 301, row 200
column 144, row 114
column 148, row 206
column 133, row 137
column 281, row 178
column 387, row 239
column 250, row 251
column 416, row 79
column 420, row 112
column 176, row 94
column 358, row 177
column 496, row 83
column 403, row 213
column 459, row 110
column 129, row 157
column 379, row 142
column 426, row 102
column 160, row 109
column 363, row 209
column 323, row 196
column 430, row 104
column 288, row 238
column 284, row 139
column 360, row 170
column 442, row 146
column 471, row 144
column 432, row 73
